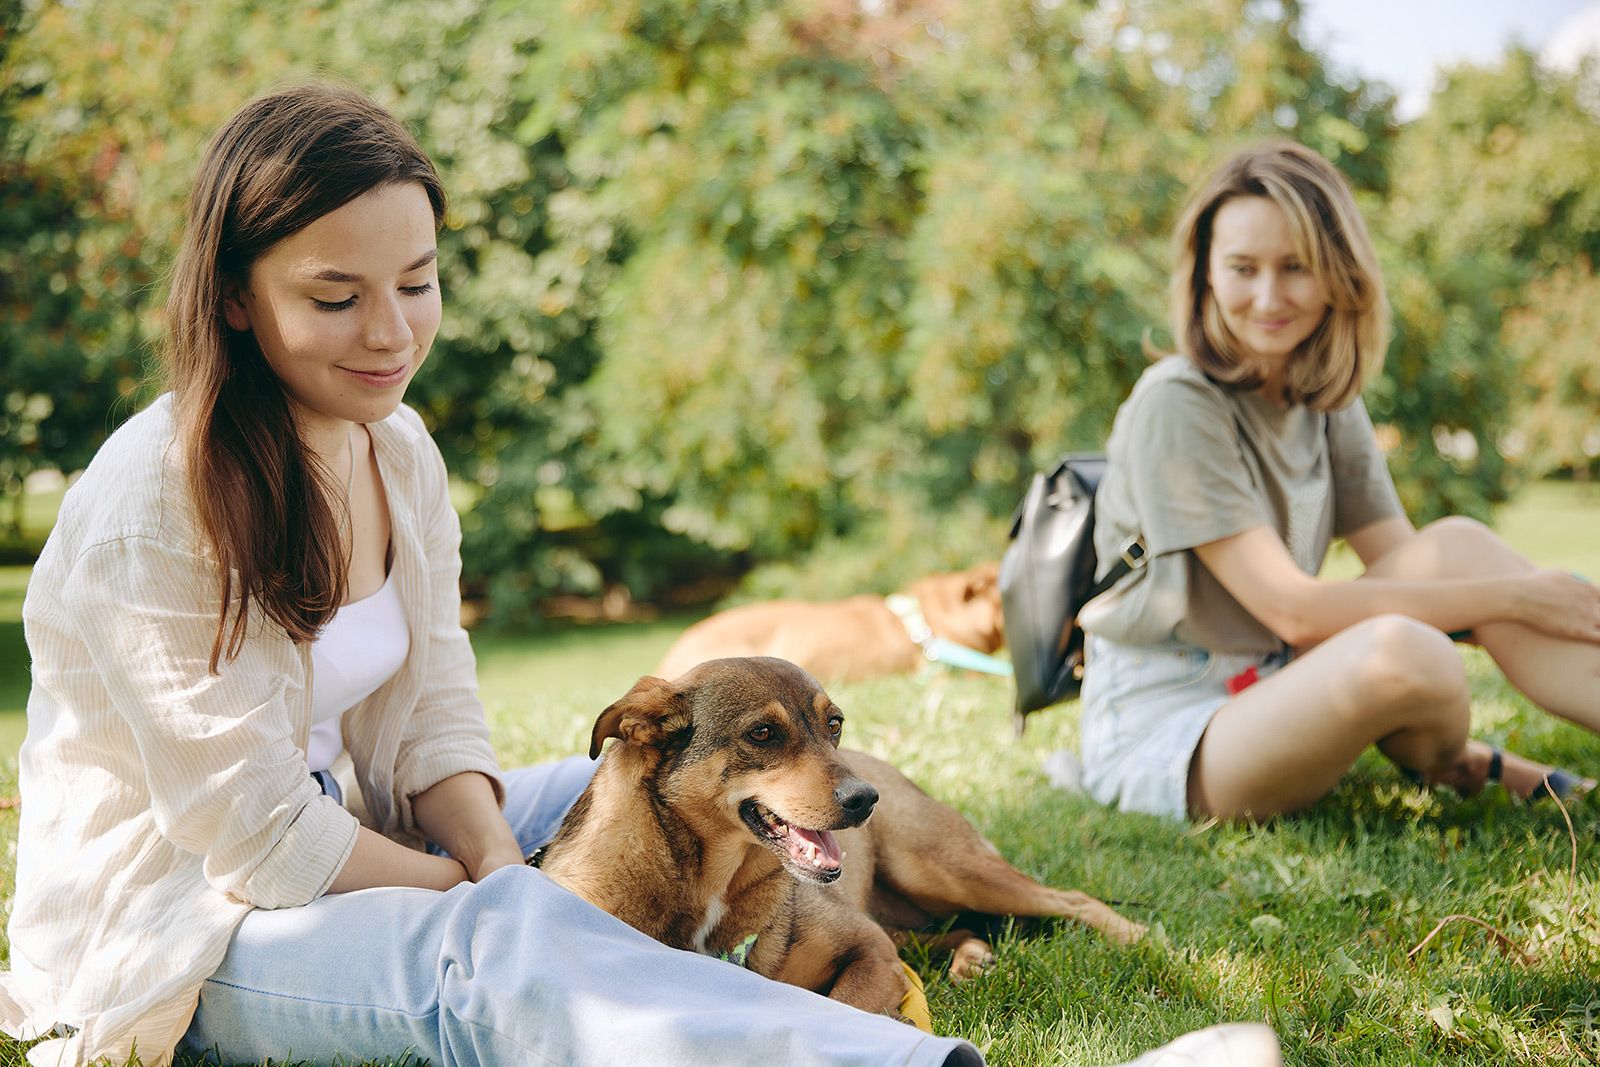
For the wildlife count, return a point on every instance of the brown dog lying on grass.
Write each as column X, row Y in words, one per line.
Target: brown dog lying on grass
column 726, row 812
column 847, row 640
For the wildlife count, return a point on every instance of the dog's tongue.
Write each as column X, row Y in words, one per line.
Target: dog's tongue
column 814, row 848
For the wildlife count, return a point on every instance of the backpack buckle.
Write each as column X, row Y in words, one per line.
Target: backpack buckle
column 1133, row 552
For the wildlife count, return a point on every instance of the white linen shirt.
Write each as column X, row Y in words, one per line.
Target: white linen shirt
column 161, row 802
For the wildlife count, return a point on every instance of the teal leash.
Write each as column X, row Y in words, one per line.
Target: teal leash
column 941, row 650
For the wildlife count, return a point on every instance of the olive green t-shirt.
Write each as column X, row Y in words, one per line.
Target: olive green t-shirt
column 1190, row 462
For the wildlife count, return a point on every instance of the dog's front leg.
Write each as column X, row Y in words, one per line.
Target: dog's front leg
column 846, row 956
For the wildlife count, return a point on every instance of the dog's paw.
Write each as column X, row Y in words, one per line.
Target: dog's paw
column 970, row 960
column 1126, row 931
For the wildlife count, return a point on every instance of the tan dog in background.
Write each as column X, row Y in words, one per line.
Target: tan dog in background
column 721, row 821
column 847, row 640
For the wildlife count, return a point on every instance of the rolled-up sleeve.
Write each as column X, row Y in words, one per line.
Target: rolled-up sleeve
column 446, row 733
column 226, row 779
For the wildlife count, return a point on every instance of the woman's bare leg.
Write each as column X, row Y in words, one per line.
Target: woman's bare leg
column 1284, row 742
column 1563, row 677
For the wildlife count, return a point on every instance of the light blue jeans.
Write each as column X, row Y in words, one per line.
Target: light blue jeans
column 516, row 970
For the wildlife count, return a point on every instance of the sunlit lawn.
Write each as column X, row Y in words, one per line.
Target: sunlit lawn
column 1305, row 923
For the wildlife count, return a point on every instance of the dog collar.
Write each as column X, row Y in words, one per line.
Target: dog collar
column 938, row 649
column 739, row 955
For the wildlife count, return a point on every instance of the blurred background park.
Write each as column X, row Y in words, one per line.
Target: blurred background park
column 748, row 298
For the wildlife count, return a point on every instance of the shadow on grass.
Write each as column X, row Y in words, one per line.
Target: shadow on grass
column 14, row 681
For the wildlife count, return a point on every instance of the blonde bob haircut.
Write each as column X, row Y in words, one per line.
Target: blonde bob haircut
column 1346, row 349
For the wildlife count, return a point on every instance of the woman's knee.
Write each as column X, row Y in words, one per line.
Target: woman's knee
column 1406, row 665
column 1459, row 546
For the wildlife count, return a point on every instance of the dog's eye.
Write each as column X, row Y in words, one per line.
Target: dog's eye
column 761, row 735
column 835, row 725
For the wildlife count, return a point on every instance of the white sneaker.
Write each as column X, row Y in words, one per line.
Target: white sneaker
column 1065, row 770
column 1228, row 1045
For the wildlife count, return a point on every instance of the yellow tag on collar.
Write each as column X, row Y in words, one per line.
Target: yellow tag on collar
column 914, row 1005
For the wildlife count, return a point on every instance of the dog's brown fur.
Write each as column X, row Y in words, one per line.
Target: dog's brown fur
column 660, row 838
column 847, row 640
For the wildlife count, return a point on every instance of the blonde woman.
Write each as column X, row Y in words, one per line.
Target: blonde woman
column 1224, row 678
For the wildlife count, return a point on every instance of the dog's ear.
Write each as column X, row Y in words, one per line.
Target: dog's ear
column 645, row 716
column 981, row 581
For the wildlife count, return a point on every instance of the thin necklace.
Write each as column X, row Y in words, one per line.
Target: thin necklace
column 350, row 449
column 349, row 517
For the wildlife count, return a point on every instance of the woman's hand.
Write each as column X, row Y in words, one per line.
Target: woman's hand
column 463, row 817
column 1559, row 603
column 493, row 860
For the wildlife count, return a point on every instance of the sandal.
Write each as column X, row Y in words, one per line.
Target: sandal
column 1561, row 784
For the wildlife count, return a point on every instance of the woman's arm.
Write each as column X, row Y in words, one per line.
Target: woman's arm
column 378, row 861
column 1256, row 568
column 225, row 779
column 445, row 733
column 462, row 816
column 1375, row 540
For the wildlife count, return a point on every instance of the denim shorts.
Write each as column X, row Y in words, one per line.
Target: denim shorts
column 1144, row 710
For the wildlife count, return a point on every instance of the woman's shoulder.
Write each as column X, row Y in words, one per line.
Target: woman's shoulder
column 1177, row 376
column 132, row 488
column 1169, row 388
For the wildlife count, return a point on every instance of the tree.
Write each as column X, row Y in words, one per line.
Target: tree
column 67, row 359
column 735, row 283
column 1496, row 211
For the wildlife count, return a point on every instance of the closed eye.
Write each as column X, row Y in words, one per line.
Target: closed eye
column 350, row 301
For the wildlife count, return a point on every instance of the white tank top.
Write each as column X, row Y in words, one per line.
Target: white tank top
column 362, row 647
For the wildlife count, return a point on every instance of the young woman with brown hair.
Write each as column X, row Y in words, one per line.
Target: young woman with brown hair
column 1224, row 678
column 256, row 576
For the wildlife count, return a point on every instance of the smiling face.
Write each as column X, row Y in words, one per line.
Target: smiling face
column 345, row 309
column 1264, row 290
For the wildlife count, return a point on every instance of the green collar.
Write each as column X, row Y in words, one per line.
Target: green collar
column 739, row 955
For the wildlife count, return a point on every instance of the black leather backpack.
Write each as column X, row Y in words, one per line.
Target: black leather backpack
column 1047, row 576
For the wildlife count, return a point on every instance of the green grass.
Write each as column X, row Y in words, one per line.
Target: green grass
column 13, row 659
column 1305, row 923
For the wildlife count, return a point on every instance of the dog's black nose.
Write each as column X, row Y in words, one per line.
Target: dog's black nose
column 857, row 799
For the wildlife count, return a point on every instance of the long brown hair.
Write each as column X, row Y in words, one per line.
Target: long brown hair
column 1347, row 347
column 264, row 502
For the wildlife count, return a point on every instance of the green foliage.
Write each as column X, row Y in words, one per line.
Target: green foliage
column 1496, row 189
column 1552, row 337
column 733, row 284
column 66, row 356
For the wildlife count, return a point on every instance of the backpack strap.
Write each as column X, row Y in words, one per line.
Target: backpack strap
column 1133, row 555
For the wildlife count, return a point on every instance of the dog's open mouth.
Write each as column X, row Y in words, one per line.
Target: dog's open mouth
column 812, row 854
